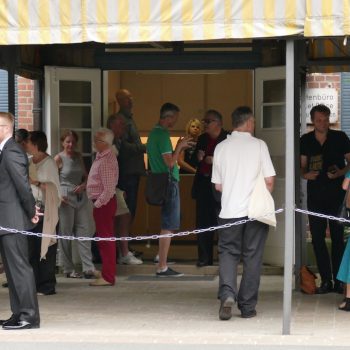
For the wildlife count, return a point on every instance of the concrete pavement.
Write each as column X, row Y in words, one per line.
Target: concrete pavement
column 147, row 314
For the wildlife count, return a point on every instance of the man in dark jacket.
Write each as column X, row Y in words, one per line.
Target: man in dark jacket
column 131, row 152
column 17, row 211
column 207, row 198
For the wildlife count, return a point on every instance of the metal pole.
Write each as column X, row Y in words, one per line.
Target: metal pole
column 289, row 190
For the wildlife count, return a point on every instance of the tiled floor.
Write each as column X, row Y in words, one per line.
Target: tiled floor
column 177, row 312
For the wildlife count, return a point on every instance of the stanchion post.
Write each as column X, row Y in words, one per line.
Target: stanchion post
column 289, row 189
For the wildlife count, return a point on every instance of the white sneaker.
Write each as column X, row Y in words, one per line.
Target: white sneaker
column 130, row 259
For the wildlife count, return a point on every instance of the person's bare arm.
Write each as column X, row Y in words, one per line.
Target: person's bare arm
column 270, row 182
column 171, row 158
column 218, row 187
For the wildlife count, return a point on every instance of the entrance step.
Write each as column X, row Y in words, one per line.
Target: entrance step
column 188, row 268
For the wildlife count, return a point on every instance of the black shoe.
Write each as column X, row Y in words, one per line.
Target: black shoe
column 248, row 314
column 201, row 264
column 13, row 318
column 5, row 285
column 346, row 306
column 326, row 287
column 169, row 273
column 18, row 325
column 50, row 292
column 225, row 312
column 338, row 287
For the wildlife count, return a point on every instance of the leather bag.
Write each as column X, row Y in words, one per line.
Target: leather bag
column 307, row 280
column 261, row 205
column 157, row 185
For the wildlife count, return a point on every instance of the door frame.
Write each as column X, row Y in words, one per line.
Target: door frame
column 53, row 75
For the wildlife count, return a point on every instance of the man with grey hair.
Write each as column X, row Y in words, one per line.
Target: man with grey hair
column 237, row 163
column 100, row 188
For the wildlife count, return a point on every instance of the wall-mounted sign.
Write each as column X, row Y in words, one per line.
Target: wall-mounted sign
column 328, row 97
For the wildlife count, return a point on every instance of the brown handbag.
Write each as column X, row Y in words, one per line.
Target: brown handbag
column 307, row 280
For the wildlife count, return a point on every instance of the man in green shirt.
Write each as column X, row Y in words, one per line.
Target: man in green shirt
column 162, row 158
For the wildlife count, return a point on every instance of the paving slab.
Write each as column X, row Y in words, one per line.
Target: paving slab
column 182, row 314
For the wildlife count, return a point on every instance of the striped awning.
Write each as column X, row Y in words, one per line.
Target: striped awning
column 327, row 18
column 120, row 21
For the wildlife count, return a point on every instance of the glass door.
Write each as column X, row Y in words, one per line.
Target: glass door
column 73, row 101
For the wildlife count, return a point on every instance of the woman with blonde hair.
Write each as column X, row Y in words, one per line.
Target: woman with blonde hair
column 188, row 161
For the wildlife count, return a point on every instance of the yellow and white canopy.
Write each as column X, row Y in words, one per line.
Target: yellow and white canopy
column 112, row 21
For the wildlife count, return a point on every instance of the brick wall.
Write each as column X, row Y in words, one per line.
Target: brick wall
column 330, row 80
column 25, row 88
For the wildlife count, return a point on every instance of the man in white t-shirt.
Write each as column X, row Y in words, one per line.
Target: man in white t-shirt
column 237, row 163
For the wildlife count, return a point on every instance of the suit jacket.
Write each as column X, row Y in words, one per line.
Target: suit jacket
column 17, row 204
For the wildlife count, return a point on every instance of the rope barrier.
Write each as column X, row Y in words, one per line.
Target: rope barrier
column 137, row 238
column 324, row 216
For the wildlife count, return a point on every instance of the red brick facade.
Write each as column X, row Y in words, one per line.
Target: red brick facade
column 322, row 80
column 25, row 88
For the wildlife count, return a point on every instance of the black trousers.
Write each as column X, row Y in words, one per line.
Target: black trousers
column 326, row 202
column 207, row 210
column 45, row 269
column 19, row 274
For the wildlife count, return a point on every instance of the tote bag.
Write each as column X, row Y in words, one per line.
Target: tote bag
column 261, row 205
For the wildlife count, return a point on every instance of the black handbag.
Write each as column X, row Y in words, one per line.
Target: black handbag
column 157, row 185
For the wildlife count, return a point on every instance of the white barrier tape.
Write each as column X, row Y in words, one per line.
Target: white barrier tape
column 138, row 238
column 324, row 216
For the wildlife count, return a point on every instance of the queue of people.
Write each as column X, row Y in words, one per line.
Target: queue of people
column 60, row 195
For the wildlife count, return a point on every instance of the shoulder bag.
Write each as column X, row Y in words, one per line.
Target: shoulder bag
column 307, row 280
column 157, row 185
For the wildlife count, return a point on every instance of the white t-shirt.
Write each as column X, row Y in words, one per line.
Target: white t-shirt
column 236, row 165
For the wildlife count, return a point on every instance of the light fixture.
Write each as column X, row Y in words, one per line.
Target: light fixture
column 345, row 41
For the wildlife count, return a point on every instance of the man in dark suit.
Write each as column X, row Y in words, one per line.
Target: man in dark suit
column 17, row 211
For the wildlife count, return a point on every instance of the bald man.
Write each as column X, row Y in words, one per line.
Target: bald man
column 131, row 152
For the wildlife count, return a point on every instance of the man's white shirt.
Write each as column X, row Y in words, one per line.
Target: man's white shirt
column 236, row 165
column 2, row 144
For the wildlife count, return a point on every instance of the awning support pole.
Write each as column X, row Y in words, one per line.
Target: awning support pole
column 289, row 190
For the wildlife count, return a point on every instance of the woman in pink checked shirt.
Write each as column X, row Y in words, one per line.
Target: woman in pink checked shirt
column 100, row 188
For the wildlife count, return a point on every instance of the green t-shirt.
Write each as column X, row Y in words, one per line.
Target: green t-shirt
column 159, row 143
